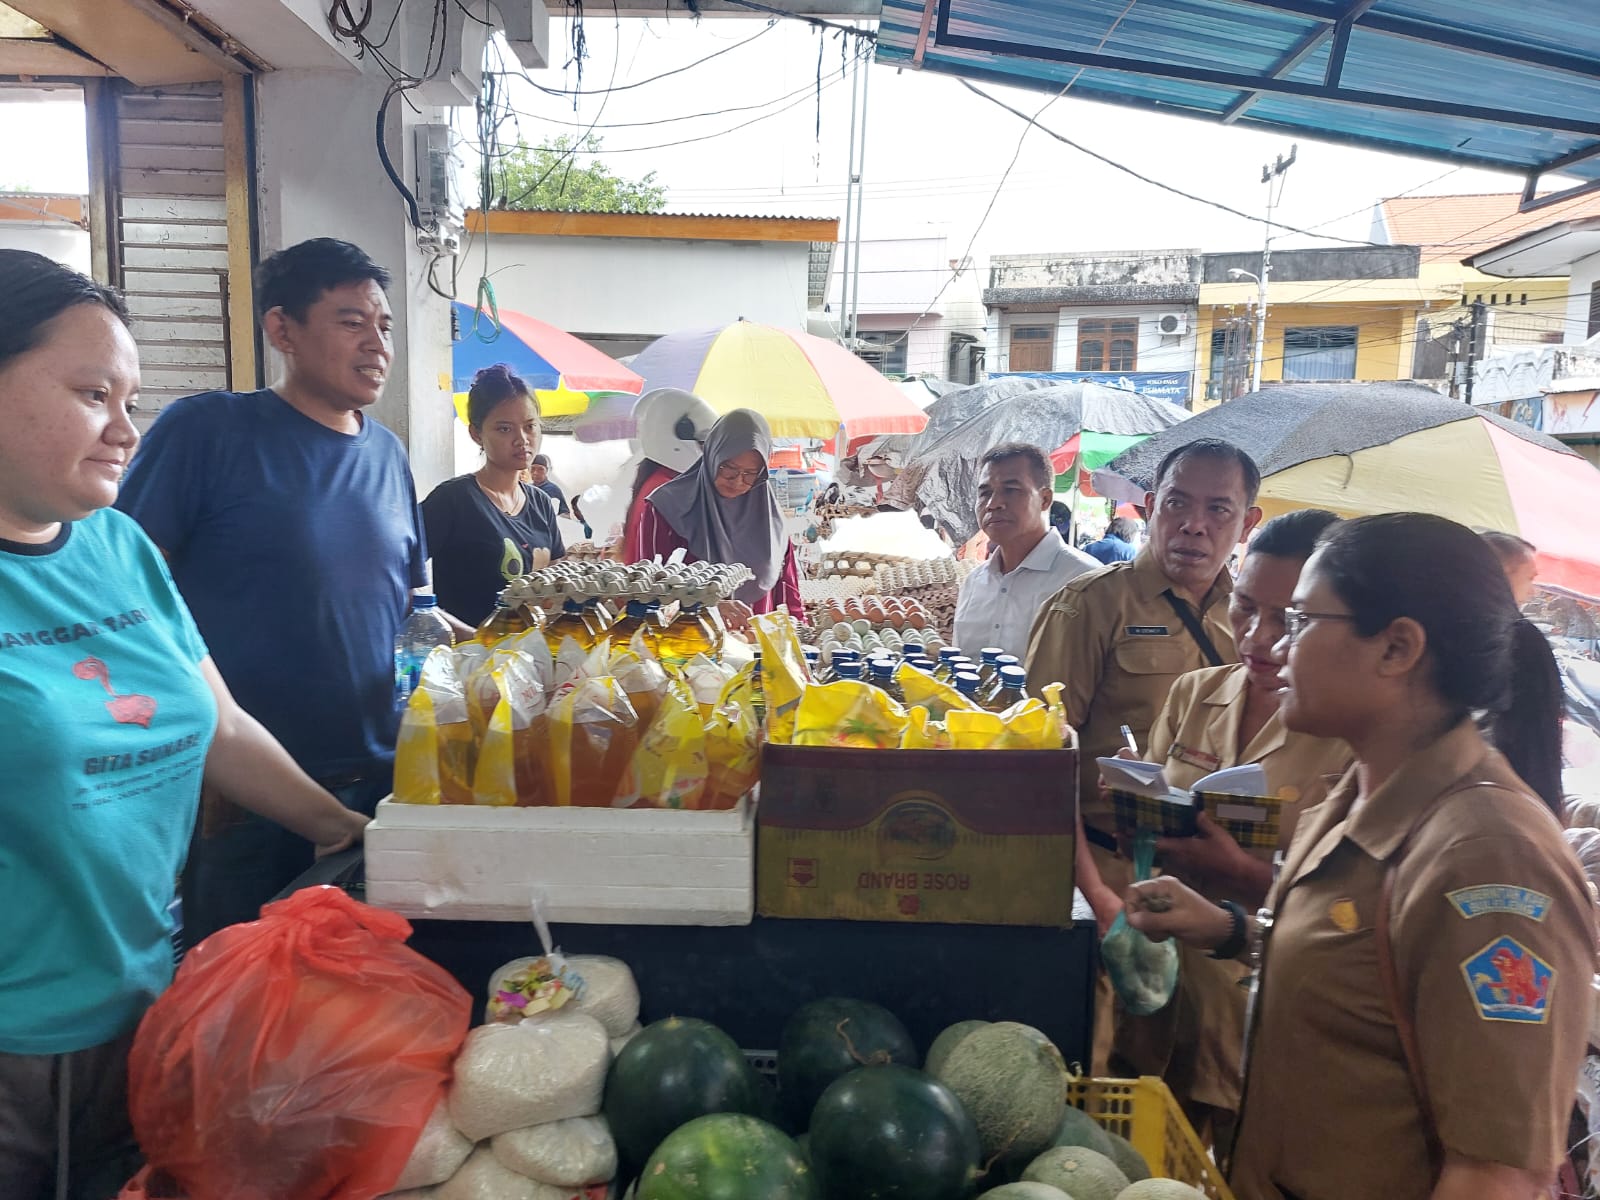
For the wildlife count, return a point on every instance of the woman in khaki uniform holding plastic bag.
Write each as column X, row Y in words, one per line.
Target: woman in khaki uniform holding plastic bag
column 1425, row 994
column 1215, row 718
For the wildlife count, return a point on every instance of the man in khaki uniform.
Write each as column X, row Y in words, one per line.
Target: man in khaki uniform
column 1118, row 637
column 1493, row 945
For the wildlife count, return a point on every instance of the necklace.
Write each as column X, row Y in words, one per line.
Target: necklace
column 509, row 507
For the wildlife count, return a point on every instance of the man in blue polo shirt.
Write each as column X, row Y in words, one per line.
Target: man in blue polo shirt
column 289, row 519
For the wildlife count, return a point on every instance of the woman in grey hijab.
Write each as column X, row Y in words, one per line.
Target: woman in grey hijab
column 722, row 510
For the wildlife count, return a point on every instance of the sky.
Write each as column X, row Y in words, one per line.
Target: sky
column 934, row 158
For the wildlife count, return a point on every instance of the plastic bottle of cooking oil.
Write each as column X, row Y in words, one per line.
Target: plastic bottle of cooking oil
column 945, row 672
column 695, row 630
column 577, row 619
column 883, row 677
column 510, row 617
column 1010, row 688
column 967, row 683
column 846, row 669
column 640, row 611
column 990, row 666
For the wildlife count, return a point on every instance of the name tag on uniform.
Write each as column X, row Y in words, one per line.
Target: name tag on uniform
column 1146, row 630
column 1195, row 758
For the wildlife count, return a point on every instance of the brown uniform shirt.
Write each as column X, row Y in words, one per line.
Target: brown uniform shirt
column 1493, row 934
column 1116, row 644
column 1196, row 1042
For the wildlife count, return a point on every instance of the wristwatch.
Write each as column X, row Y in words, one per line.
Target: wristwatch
column 1238, row 937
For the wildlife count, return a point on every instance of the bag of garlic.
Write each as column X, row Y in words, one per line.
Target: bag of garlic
column 512, row 1076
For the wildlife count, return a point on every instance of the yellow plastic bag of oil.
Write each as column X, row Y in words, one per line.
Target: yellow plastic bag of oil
column 436, row 752
column 784, row 678
column 921, row 688
column 512, row 758
column 733, row 745
column 847, row 713
column 643, row 677
column 670, row 767
column 707, row 679
column 593, row 734
column 922, row 733
column 1027, row 725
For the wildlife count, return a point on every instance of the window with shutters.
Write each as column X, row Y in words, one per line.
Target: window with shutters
column 885, row 350
column 1033, row 347
column 1594, row 309
column 1107, row 345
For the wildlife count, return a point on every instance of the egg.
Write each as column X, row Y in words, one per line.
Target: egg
column 861, row 625
column 917, row 620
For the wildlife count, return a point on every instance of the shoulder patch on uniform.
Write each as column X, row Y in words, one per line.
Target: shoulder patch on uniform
column 1509, row 982
column 1499, row 898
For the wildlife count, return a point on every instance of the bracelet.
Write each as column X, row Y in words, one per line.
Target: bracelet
column 1233, row 945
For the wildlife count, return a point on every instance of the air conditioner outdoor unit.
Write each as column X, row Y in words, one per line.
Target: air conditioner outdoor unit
column 1173, row 324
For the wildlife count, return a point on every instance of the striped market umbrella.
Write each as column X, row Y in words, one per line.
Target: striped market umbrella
column 805, row 386
column 1365, row 448
column 565, row 372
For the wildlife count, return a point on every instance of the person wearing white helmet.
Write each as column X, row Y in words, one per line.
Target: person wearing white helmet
column 672, row 428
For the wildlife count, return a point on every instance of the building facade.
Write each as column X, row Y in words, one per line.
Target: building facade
column 621, row 280
column 1126, row 318
column 1348, row 313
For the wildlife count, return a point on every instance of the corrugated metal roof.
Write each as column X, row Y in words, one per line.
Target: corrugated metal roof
column 1452, row 228
column 1508, row 86
column 708, row 216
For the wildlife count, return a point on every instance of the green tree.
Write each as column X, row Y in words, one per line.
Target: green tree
column 554, row 175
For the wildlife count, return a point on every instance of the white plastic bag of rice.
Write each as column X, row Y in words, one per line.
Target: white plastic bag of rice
column 609, row 992
column 438, row 1154
column 571, row 1153
column 483, row 1178
column 513, row 1076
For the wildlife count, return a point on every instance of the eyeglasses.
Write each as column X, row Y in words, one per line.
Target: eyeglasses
column 728, row 474
column 1296, row 619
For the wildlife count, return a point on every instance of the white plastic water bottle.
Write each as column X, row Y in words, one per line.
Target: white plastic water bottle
column 424, row 629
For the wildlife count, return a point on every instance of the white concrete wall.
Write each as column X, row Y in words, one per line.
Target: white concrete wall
column 66, row 244
column 1156, row 351
column 1585, row 274
column 319, row 176
column 644, row 286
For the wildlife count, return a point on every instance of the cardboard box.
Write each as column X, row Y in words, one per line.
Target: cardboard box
column 953, row 836
column 597, row 866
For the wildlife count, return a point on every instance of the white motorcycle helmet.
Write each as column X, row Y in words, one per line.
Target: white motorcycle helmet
column 672, row 425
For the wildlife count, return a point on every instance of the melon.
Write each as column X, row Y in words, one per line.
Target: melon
column 829, row 1038
column 727, row 1156
column 892, row 1133
column 1160, row 1189
column 1014, row 1083
column 1078, row 1128
column 1130, row 1161
column 946, row 1042
column 1080, row 1173
column 1024, row 1191
column 672, row 1072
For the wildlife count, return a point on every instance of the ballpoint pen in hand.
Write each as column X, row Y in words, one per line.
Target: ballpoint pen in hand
column 1127, row 737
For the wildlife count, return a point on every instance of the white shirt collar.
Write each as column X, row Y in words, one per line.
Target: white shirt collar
column 1041, row 558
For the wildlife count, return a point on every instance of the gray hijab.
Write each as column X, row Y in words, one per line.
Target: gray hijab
column 748, row 530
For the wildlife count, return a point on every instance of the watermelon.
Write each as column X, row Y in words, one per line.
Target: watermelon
column 946, row 1042
column 727, row 1156
column 670, row 1073
column 1079, row 1172
column 893, row 1133
column 1014, row 1083
column 829, row 1038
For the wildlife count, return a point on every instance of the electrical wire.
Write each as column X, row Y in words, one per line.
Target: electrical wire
column 625, row 87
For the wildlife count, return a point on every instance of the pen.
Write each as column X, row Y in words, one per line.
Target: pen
column 1127, row 736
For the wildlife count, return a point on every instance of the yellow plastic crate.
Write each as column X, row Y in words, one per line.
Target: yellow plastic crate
column 1143, row 1111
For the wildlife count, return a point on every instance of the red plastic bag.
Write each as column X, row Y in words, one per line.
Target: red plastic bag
column 296, row 1057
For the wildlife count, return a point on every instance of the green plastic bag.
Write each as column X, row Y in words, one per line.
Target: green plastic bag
column 1143, row 973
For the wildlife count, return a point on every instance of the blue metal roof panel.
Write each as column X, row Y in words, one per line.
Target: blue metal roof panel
column 1510, row 86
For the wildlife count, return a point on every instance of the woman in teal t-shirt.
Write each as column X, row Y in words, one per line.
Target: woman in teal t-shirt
column 113, row 714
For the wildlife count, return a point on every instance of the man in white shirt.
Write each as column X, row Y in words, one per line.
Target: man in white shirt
column 1030, row 562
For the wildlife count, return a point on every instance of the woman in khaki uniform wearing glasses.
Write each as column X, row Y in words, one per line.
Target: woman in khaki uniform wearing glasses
column 1214, row 718
column 1425, row 994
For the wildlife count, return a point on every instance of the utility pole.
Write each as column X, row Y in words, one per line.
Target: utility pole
column 1272, row 173
column 1475, row 332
